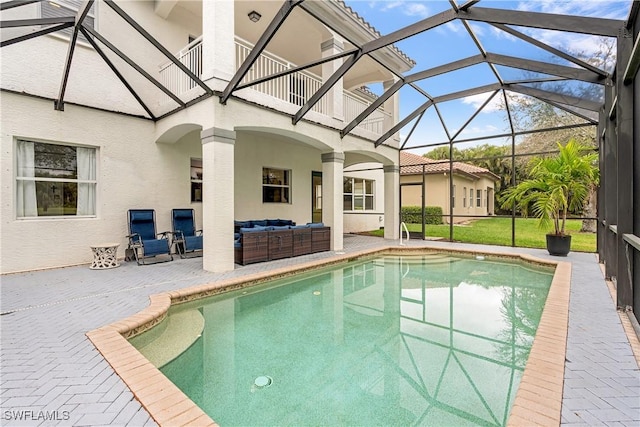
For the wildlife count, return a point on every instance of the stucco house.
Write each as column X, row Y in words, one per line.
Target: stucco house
column 472, row 187
column 97, row 119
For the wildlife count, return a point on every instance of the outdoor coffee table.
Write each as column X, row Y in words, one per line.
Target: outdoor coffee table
column 104, row 256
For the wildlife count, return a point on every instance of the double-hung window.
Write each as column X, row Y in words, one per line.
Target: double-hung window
column 453, row 197
column 55, row 180
column 358, row 194
column 464, row 197
column 276, row 185
column 478, row 198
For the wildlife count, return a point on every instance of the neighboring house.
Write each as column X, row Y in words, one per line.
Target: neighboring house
column 118, row 140
column 473, row 186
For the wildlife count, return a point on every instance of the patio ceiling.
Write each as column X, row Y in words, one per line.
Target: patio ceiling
column 540, row 71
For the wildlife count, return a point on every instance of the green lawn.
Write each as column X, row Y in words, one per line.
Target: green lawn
column 497, row 231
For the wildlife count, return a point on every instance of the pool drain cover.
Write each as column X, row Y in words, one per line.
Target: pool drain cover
column 263, row 381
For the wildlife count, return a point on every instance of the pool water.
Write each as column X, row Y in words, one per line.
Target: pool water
column 422, row 340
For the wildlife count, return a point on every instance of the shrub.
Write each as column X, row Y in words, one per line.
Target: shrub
column 413, row 214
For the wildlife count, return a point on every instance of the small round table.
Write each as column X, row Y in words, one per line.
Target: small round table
column 104, row 256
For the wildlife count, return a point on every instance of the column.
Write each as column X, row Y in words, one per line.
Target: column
column 218, row 198
column 332, row 189
column 391, row 109
column 624, row 168
column 334, row 98
column 218, row 44
column 391, row 202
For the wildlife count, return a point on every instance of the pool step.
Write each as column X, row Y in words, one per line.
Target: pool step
column 181, row 331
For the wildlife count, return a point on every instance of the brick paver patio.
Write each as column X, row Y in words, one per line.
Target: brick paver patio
column 50, row 374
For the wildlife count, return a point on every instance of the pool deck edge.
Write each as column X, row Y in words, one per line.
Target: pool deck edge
column 538, row 400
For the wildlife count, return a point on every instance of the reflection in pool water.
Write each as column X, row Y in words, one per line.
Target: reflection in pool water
column 427, row 340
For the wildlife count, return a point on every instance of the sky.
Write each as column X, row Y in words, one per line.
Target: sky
column 452, row 41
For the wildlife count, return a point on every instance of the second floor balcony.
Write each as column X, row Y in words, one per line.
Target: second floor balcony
column 295, row 88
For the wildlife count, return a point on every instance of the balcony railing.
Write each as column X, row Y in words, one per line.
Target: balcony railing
column 354, row 104
column 173, row 78
column 295, row 88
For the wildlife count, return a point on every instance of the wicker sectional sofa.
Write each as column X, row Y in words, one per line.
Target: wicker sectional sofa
column 271, row 239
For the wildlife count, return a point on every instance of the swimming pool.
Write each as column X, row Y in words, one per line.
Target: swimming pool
column 432, row 339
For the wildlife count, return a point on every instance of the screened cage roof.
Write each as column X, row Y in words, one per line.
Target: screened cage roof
column 478, row 66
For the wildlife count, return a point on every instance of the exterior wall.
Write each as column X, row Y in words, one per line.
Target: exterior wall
column 360, row 221
column 437, row 194
column 132, row 172
column 142, row 164
column 252, row 153
column 91, row 81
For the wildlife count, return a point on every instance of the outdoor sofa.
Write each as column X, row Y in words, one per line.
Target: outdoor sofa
column 271, row 239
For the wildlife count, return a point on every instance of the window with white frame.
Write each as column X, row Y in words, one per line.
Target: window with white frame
column 60, row 8
column 471, row 197
column 453, row 197
column 55, row 180
column 479, row 198
column 358, row 194
column 196, row 180
column 276, row 185
column 464, row 197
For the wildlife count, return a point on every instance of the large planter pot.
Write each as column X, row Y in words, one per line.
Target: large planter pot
column 558, row 245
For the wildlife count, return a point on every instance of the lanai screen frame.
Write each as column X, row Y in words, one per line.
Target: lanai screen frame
column 618, row 209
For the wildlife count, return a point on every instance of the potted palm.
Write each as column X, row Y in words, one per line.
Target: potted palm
column 558, row 185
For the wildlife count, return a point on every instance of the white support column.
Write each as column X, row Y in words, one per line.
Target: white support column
column 391, row 202
column 392, row 110
column 335, row 97
column 218, row 198
column 218, row 44
column 332, row 189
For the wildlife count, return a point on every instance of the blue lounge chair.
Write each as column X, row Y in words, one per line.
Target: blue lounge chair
column 188, row 240
column 143, row 239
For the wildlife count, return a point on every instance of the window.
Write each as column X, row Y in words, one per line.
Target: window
column 358, row 194
column 453, row 197
column 478, row 198
column 276, row 185
column 471, row 197
column 464, row 197
column 55, row 180
column 196, row 180
column 59, row 8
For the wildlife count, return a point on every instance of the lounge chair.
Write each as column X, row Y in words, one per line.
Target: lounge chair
column 188, row 240
column 143, row 239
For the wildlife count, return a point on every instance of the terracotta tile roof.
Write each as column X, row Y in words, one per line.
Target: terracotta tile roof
column 411, row 164
column 376, row 32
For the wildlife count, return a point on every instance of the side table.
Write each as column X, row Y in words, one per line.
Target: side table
column 104, row 256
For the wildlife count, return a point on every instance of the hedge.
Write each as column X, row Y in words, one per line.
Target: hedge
column 413, row 214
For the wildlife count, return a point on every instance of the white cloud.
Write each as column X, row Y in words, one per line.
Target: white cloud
column 409, row 8
column 611, row 9
column 480, row 130
column 476, row 101
column 416, row 9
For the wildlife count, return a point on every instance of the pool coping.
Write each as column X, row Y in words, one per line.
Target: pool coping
column 538, row 399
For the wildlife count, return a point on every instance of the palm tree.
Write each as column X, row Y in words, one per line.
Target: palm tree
column 558, row 185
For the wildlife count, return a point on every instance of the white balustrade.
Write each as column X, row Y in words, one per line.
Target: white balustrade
column 354, row 104
column 295, row 88
column 173, row 78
